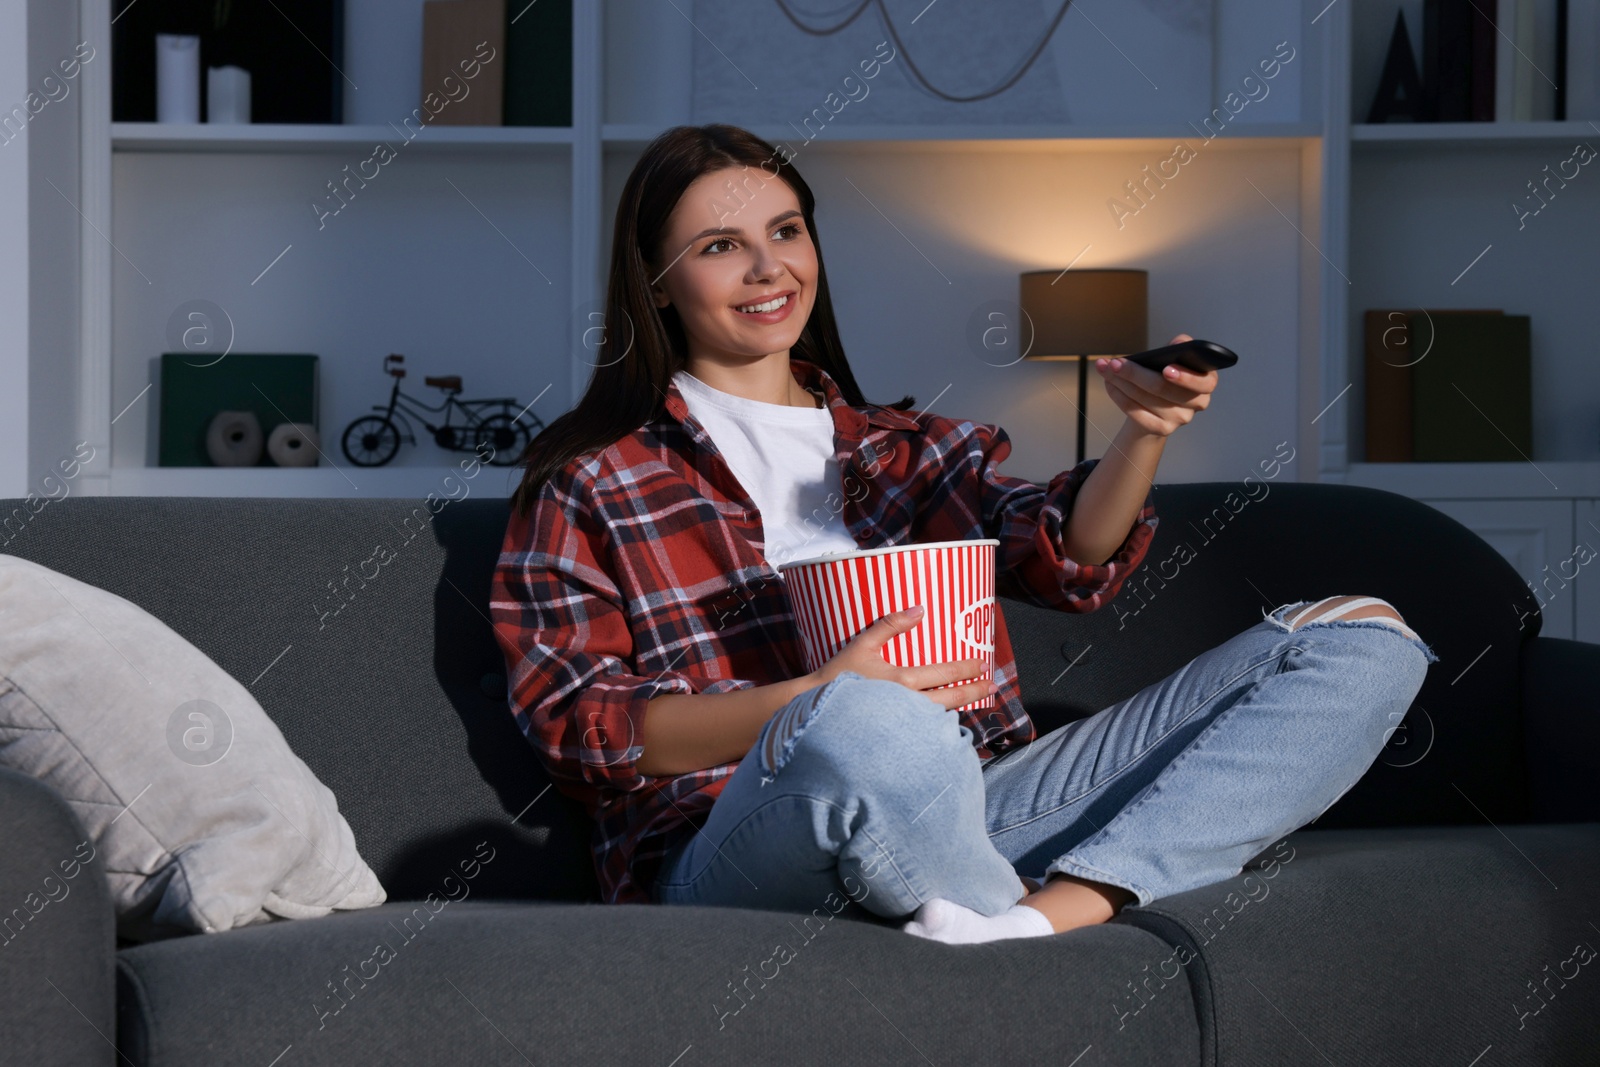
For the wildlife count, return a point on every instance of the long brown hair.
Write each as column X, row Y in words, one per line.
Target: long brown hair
column 628, row 390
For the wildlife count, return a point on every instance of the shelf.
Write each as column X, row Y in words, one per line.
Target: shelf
column 1471, row 134
column 308, row 137
column 631, row 135
column 448, row 482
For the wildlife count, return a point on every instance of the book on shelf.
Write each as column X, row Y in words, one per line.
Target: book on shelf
column 1531, row 52
column 528, row 80
column 1497, row 60
column 1472, row 393
column 1563, row 9
column 464, row 61
column 539, row 63
column 1581, row 84
column 1483, row 68
column 1390, row 357
column 1447, row 53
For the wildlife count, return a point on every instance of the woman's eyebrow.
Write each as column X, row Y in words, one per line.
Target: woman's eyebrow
column 735, row 231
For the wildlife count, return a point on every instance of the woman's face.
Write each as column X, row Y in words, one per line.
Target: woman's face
column 737, row 238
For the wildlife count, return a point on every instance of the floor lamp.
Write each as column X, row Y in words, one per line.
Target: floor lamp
column 1083, row 315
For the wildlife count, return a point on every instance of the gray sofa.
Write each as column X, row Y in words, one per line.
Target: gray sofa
column 1437, row 914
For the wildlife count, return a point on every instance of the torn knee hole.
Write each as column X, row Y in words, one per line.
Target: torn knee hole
column 1352, row 608
column 782, row 731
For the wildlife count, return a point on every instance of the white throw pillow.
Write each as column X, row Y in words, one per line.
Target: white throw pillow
column 202, row 817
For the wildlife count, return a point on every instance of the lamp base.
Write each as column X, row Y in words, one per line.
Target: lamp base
column 1083, row 402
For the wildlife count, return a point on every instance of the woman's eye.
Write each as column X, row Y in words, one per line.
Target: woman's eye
column 791, row 227
column 718, row 241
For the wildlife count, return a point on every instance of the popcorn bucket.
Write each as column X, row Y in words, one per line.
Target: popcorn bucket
column 836, row 597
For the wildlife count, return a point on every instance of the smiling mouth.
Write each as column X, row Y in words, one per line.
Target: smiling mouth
column 775, row 304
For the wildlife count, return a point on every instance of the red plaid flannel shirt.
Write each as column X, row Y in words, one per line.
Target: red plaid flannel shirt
column 639, row 571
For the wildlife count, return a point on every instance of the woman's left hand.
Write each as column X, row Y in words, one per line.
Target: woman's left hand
column 1157, row 402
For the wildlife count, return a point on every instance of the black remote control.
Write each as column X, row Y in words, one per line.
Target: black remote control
column 1198, row 356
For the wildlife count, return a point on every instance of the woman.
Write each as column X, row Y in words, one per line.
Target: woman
column 655, row 665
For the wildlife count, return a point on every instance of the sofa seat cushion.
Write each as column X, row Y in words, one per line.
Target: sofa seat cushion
column 492, row 982
column 1396, row 945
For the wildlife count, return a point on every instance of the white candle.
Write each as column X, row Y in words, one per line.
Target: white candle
column 177, row 78
column 227, row 94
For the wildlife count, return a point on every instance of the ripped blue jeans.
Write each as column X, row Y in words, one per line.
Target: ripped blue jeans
column 866, row 795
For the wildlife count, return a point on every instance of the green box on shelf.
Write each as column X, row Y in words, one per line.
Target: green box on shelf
column 278, row 388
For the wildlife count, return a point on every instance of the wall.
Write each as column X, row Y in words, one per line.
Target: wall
column 38, row 246
column 53, row 140
column 649, row 44
column 1220, row 241
column 14, row 249
column 957, row 227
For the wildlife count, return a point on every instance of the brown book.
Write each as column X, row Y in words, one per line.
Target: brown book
column 1388, row 408
column 1389, row 361
column 463, row 62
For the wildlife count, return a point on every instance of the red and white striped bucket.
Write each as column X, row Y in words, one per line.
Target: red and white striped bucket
column 836, row 597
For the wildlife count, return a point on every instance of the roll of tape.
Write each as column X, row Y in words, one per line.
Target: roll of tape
column 234, row 439
column 293, row 444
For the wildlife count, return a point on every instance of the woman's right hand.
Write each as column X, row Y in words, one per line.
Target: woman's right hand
column 864, row 656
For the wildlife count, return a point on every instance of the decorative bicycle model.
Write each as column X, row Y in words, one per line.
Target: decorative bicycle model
column 492, row 425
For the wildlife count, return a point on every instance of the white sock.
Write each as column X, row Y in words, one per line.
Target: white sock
column 944, row 920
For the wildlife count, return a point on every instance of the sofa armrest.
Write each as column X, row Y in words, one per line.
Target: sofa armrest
column 1561, row 728
column 57, row 932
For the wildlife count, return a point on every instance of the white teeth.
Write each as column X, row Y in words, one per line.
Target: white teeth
column 770, row 305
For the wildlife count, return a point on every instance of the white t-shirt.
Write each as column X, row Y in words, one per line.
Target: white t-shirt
column 783, row 457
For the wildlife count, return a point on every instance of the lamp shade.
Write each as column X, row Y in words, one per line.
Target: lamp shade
column 1086, row 312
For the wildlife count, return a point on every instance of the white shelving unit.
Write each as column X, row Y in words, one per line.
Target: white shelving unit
column 203, row 182
column 1428, row 223
column 168, row 190
column 1343, row 216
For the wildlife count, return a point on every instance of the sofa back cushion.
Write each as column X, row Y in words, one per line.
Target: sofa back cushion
column 1226, row 553
column 361, row 626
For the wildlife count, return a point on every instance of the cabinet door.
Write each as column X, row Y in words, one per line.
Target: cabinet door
column 1586, row 562
column 1535, row 537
